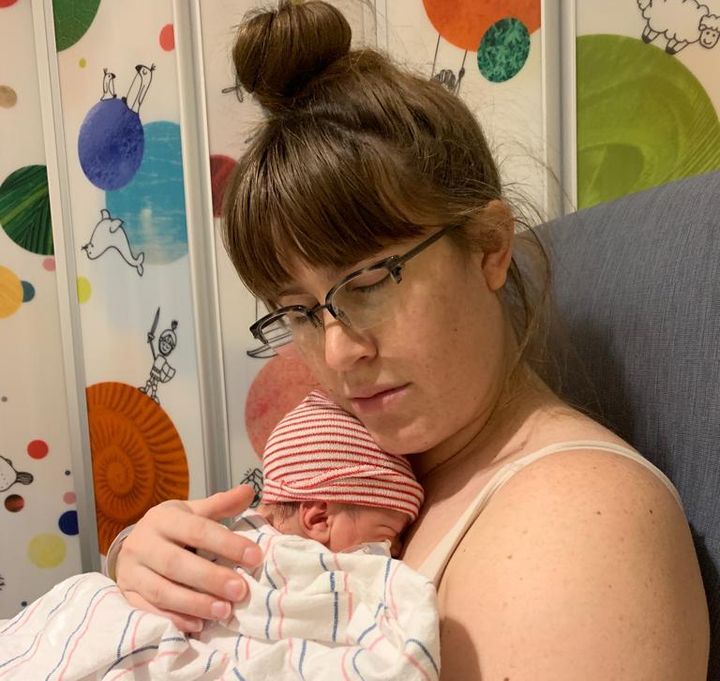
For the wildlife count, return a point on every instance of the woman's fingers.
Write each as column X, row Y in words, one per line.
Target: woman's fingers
column 182, row 622
column 224, row 504
column 182, row 600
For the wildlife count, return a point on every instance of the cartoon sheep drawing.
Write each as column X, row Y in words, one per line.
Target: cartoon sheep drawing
column 682, row 22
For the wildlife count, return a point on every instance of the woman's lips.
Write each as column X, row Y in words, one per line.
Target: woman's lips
column 379, row 400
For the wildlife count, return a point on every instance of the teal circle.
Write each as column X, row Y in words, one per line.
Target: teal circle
column 28, row 291
column 503, row 50
column 643, row 119
column 152, row 205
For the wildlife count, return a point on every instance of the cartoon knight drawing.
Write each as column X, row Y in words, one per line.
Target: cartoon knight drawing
column 161, row 371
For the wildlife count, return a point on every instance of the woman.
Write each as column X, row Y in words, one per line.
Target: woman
column 368, row 213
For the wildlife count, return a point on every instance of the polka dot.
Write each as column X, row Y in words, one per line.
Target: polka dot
column 8, row 97
column 7, row 3
column 72, row 19
column 28, row 291
column 14, row 503
column 3, row 399
column 38, row 449
column 69, row 497
column 503, row 50
column 464, row 22
column 167, row 37
column 82, row 63
column 23, row 604
column 46, row 550
column 11, row 292
column 25, row 209
column 84, row 289
column 49, row 264
column 67, row 472
column 220, row 169
column 68, row 523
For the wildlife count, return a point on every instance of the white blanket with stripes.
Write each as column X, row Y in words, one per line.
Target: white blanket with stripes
column 311, row 615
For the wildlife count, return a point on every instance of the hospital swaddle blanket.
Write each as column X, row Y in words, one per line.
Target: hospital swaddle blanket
column 311, row 615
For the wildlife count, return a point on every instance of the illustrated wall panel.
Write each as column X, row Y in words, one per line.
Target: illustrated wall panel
column 38, row 517
column 491, row 54
column 120, row 110
column 648, row 94
column 259, row 391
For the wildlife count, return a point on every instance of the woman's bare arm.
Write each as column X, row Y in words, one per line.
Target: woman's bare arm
column 581, row 567
column 155, row 572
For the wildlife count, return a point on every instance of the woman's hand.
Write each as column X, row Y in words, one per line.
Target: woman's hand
column 156, row 573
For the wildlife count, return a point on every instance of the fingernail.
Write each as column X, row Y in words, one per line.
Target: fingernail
column 220, row 610
column 196, row 626
column 252, row 556
column 235, row 590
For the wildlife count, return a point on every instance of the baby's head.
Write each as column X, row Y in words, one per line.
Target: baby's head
column 326, row 479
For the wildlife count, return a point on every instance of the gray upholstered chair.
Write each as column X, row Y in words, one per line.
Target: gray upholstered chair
column 637, row 287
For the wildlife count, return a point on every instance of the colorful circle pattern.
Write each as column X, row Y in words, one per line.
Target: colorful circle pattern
column 503, row 50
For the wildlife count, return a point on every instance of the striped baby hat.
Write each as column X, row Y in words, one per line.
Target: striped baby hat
column 319, row 452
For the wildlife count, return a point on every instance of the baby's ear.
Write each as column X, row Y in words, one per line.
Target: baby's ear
column 313, row 520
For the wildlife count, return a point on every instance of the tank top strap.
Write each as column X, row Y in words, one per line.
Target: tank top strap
column 434, row 565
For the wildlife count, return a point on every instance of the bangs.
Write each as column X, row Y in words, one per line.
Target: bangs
column 311, row 192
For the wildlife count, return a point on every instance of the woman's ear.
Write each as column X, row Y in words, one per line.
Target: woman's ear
column 313, row 518
column 498, row 220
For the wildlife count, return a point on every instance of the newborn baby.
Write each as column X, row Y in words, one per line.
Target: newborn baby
column 327, row 602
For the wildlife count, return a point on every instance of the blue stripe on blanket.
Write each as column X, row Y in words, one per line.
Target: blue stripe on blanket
column 77, row 628
column 142, row 649
column 122, row 638
column 269, row 578
column 426, row 651
column 269, row 615
column 302, row 659
column 238, row 675
column 354, row 664
column 368, row 630
column 25, row 652
column 207, row 666
column 237, row 647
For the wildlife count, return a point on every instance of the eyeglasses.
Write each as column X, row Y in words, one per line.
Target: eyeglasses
column 361, row 300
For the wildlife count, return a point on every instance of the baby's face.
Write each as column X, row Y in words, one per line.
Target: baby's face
column 367, row 524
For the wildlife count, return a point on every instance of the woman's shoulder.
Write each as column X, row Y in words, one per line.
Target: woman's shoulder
column 579, row 546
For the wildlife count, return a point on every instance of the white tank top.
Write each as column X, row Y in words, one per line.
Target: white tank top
column 434, row 565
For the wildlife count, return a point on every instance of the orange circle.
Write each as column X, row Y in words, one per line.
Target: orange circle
column 464, row 22
column 167, row 37
column 137, row 455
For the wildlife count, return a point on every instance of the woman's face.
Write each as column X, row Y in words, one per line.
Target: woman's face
column 431, row 372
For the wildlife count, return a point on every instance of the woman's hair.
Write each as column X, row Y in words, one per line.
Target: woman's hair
column 353, row 155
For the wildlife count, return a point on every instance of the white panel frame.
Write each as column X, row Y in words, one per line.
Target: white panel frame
column 66, row 272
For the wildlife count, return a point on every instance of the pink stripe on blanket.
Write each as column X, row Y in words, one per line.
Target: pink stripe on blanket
column 143, row 664
column 417, row 665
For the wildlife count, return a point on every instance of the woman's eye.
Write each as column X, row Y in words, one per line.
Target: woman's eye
column 365, row 285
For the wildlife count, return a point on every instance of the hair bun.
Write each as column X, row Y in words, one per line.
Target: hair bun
column 278, row 52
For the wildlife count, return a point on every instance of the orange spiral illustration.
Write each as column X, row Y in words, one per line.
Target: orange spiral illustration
column 137, row 456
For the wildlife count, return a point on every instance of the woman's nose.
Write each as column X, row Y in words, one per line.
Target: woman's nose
column 344, row 346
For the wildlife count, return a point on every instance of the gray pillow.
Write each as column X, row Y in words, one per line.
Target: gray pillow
column 636, row 339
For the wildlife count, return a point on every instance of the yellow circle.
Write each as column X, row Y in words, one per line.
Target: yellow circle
column 84, row 289
column 46, row 550
column 82, row 62
column 11, row 292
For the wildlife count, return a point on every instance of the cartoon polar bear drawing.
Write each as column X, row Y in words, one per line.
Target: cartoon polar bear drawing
column 682, row 22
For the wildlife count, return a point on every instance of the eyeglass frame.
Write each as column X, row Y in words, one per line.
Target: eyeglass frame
column 393, row 264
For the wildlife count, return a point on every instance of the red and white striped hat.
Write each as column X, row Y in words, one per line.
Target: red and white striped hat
column 319, row 452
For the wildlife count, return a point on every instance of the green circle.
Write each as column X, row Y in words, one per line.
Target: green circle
column 25, row 209
column 72, row 20
column 503, row 50
column 643, row 119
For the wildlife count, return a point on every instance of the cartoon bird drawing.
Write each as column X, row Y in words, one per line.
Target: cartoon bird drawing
column 9, row 476
column 109, row 233
column 138, row 88
column 108, row 85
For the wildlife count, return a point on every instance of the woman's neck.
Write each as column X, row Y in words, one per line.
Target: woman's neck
column 490, row 436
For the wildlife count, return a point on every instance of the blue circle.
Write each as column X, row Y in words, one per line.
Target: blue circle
column 68, row 522
column 28, row 291
column 110, row 144
column 152, row 206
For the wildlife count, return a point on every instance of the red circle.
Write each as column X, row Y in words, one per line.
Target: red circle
column 7, row 3
column 14, row 502
column 38, row 449
column 69, row 497
column 220, row 169
column 167, row 37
